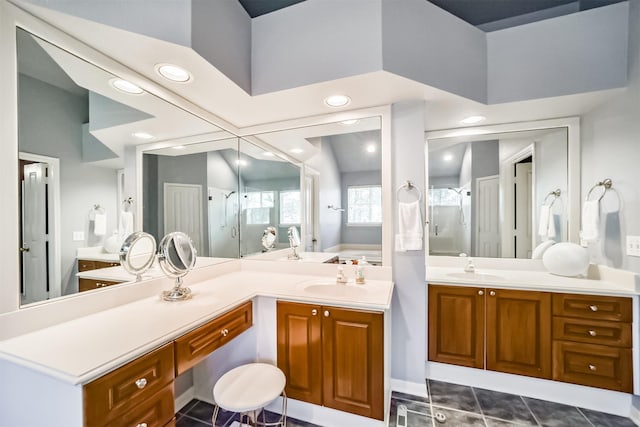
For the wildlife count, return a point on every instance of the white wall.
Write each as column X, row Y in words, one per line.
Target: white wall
column 611, row 149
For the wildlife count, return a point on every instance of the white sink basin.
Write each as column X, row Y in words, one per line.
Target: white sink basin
column 475, row 276
column 329, row 289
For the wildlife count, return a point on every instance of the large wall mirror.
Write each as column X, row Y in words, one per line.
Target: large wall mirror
column 341, row 199
column 75, row 123
column 499, row 194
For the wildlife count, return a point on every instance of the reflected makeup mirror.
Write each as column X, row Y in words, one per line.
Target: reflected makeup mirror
column 138, row 253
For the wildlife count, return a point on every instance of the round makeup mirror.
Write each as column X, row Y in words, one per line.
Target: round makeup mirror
column 138, row 253
column 176, row 256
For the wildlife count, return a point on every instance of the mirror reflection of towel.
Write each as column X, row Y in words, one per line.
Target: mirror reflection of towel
column 100, row 224
column 590, row 220
column 546, row 227
column 126, row 223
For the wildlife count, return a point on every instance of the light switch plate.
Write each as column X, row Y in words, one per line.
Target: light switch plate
column 633, row 246
column 78, row 236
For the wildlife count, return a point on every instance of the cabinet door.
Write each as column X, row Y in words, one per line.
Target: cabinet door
column 519, row 332
column 300, row 350
column 352, row 346
column 456, row 325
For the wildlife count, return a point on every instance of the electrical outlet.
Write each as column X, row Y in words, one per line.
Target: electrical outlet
column 633, row 246
column 78, row 236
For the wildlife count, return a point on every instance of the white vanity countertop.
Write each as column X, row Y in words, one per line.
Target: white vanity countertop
column 81, row 350
column 283, row 255
column 119, row 274
column 610, row 282
column 96, row 253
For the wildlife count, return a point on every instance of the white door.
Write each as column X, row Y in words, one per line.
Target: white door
column 488, row 216
column 523, row 201
column 35, row 274
column 223, row 223
column 183, row 211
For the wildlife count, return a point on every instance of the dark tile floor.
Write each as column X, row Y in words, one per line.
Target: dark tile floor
column 460, row 405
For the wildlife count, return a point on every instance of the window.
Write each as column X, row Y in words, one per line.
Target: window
column 257, row 205
column 290, row 207
column 364, row 205
column 443, row 197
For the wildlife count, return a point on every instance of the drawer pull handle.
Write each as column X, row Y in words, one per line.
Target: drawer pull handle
column 492, row 293
column 480, row 293
column 141, row 383
column 142, row 425
column 592, row 367
column 593, row 308
column 224, row 332
column 314, row 312
column 326, row 313
column 593, row 333
column 101, row 285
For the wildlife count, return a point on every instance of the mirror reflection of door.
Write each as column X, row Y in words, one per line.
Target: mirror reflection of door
column 488, row 214
column 183, row 211
column 310, row 212
column 522, row 209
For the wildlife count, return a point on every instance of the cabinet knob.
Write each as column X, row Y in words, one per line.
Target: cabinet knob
column 592, row 367
column 314, row 312
column 481, row 292
column 326, row 313
column 593, row 307
column 141, row 383
column 224, row 332
column 593, row 333
column 100, row 285
column 492, row 293
column 142, row 425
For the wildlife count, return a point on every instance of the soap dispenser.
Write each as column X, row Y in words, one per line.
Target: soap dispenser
column 360, row 271
column 341, row 277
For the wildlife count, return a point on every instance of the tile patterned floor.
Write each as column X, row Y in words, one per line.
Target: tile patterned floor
column 461, row 406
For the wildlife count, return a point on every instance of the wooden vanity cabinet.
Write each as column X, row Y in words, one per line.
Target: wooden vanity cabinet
column 497, row 329
column 137, row 393
column 89, row 284
column 196, row 345
column 592, row 341
column 86, row 265
column 332, row 356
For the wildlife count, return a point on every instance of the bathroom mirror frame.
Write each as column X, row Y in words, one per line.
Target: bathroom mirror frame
column 15, row 17
column 251, row 134
column 572, row 124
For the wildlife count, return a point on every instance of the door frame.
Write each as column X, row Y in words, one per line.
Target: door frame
column 507, row 196
column 55, row 249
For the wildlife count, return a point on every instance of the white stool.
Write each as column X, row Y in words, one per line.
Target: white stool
column 249, row 388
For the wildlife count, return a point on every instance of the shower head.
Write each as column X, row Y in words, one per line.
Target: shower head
column 229, row 195
column 457, row 191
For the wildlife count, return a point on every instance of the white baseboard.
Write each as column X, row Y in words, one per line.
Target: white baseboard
column 184, row 398
column 416, row 389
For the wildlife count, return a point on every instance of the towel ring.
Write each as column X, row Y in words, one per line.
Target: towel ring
column 556, row 195
column 606, row 185
column 408, row 186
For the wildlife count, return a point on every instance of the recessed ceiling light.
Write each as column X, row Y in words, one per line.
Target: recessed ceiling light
column 241, row 162
column 472, row 119
column 178, row 147
column 447, row 157
column 173, row 73
column 350, row 122
column 337, row 100
column 371, row 148
column 297, row 150
column 142, row 135
column 268, row 154
column 126, row 86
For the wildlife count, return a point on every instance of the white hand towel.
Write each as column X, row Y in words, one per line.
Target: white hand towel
column 546, row 227
column 590, row 220
column 100, row 224
column 409, row 237
column 126, row 224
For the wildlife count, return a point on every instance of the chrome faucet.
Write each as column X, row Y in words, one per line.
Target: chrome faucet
column 294, row 242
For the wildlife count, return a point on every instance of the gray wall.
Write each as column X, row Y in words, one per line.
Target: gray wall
column 575, row 53
column 426, row 44
column 611, row 149
column 59, row 116
column 219, row 173
column 409, row 313
column 315, row 41
column 221, row 34
column 362, row 234
column 484, row 162
column 150, row 196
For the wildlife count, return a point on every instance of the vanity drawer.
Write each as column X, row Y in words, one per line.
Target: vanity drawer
column 86, row 265
column 616, row 334
column 90, row 284
column 114, row 394
column 593, row 307
column 593, row 365
column 154, row 412
column 194, row 346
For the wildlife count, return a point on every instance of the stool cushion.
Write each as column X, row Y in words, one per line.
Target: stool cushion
column 249, row 387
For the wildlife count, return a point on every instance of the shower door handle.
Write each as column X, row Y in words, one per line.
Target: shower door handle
column 436, row 227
